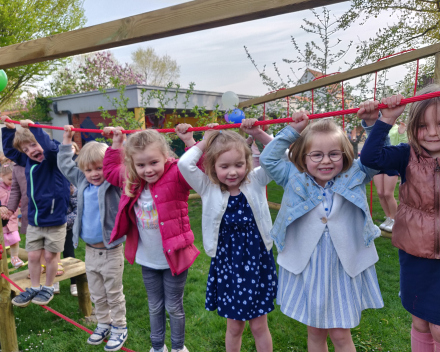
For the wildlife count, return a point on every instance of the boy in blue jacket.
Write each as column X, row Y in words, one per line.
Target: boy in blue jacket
column 48, row 191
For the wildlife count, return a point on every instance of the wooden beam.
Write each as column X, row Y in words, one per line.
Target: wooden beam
column 344, row 76
column 180, row 19
column 437, row 68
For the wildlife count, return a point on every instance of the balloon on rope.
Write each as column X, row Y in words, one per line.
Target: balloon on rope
column 230, row 100
column 236, row 116
column 3, row 80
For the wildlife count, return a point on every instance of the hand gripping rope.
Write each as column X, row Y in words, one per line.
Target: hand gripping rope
column 258, row 123
column 58, row 314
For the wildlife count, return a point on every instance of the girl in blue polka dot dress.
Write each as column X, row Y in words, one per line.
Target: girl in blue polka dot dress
column 242, row 280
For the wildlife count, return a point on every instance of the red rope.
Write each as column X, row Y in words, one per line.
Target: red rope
column 266, row 122
column 57, row 313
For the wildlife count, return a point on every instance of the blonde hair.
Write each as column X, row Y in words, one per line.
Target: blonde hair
column 91, row 153
column 21, row 137
column 76, row 148
column 299, row 149
column 6, row 167
column 137, row 143
column 217, row 144
column 417, row 113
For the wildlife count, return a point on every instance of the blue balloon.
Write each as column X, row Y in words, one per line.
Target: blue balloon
column 236, row 116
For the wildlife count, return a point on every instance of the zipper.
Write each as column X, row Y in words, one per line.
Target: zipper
column 32, row 195
column 437, row 211
column 53, row 206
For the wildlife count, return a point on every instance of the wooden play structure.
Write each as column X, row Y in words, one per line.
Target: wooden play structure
column 176, row 20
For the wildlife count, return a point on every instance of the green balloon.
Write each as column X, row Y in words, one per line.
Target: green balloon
column 3, row 80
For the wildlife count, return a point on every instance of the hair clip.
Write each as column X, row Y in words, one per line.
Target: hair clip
column 219, row 131
column 5, row 165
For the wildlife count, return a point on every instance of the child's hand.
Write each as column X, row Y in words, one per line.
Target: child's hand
column 300, row 120
column 402, row 127
column 394, row 110
column 8, row 125
column 26, row 123
column 248, row 126
column 116, row 134
column 186, row 137
column 208, row 133
column 68, row 134
column 368, row 112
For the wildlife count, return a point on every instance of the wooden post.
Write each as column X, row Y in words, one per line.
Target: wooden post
column 8, row 332
column 84, row 302
column 437, row 68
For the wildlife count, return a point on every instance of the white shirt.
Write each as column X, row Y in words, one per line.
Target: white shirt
column 150, row 249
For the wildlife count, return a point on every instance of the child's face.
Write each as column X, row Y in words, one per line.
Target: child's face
column 150, row 163
column 94, row 173
column 34, row 151
column 7, row 179
column 429, row 129
column 230, row 168
column 326, row 169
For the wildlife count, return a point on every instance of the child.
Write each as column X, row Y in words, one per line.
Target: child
column 153, row 213
column 10, row 231
column 416, row 229
column 324, row 232
column 48, row 192
column 236, row 222
column 96, row 213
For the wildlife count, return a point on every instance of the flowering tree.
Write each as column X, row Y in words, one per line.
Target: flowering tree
column 93, row 72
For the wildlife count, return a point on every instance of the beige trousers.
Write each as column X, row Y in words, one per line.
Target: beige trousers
column 104, row 269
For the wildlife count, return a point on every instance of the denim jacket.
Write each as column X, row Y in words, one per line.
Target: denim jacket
column 301, row 195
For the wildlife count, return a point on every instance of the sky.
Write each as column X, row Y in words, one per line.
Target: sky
column 215, row 59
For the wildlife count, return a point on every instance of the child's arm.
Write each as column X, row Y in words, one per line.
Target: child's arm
column 50, row 147
column 375, row 153
column 186, row 137
column 67, row 166
column 272, row 159
column 8, row 134
column 113, row 164
column 187, row 164
column 15, row 195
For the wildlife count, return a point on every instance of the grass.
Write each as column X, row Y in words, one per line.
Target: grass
column 386, row 329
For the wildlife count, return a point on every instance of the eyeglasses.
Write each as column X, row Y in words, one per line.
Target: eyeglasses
column 334, row 155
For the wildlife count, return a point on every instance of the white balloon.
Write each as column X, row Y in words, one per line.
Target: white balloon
column 230, row 100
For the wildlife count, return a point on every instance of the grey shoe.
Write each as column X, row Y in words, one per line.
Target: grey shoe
column 44, row 296
column 389, row 227
column 164, row 349
column 24, row 298
column 385, row 223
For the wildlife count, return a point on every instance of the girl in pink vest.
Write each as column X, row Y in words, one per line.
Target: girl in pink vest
column 416, row 230
column 153, row 213
column 10, row 231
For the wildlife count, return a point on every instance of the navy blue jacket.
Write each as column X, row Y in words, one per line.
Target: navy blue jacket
column 47, row 189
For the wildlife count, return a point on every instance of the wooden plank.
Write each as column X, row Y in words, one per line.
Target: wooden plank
column 386, row 234
column 194, row 196
column 437, row 69
column 274, row 206
column 72, row 267
column 180, row 19
column 84, row 301
column 344, row 76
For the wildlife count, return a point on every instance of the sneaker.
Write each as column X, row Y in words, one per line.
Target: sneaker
column 389, row 227
column 73, row 290
column 101, row 332
column 24, row 298
column 385, row 223
column 16, row 262
column 117, row 339
column 44, row 296
column 56, row 288
column 184, row 349
column 164, row 349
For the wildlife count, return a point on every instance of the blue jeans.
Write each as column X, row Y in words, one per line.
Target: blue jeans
column 165, row 291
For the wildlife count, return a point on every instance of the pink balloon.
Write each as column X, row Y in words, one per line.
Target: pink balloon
column 227, row 117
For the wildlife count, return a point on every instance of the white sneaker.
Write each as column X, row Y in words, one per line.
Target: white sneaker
column 184, row 349
column 56, row 288
column 389, row 227
column 101, row 332
column 165, row 349
column 117, row 339
column 385, row 223
column 73, row 290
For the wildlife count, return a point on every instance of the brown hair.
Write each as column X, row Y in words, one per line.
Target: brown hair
column 299, row 149
column 6, row 167
column 76, row 148
column 21, row 137
column 92, row 153
column 137, row 143
column 417, row 113
column 217, row 144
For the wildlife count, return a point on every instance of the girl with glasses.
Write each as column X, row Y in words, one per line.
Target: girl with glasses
column 324, row 232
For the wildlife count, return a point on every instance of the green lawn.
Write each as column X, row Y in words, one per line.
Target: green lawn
column 387, row 329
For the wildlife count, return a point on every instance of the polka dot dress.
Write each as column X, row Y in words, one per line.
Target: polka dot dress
column 242, row 280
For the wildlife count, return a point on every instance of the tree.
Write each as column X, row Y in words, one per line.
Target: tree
column 24, row 20
column 156, row 70
column 417, row 22
column 92, row 72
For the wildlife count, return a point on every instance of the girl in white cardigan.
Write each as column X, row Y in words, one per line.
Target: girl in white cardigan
column 242, row 281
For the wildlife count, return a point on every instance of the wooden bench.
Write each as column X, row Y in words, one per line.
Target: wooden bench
column 72, row 268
